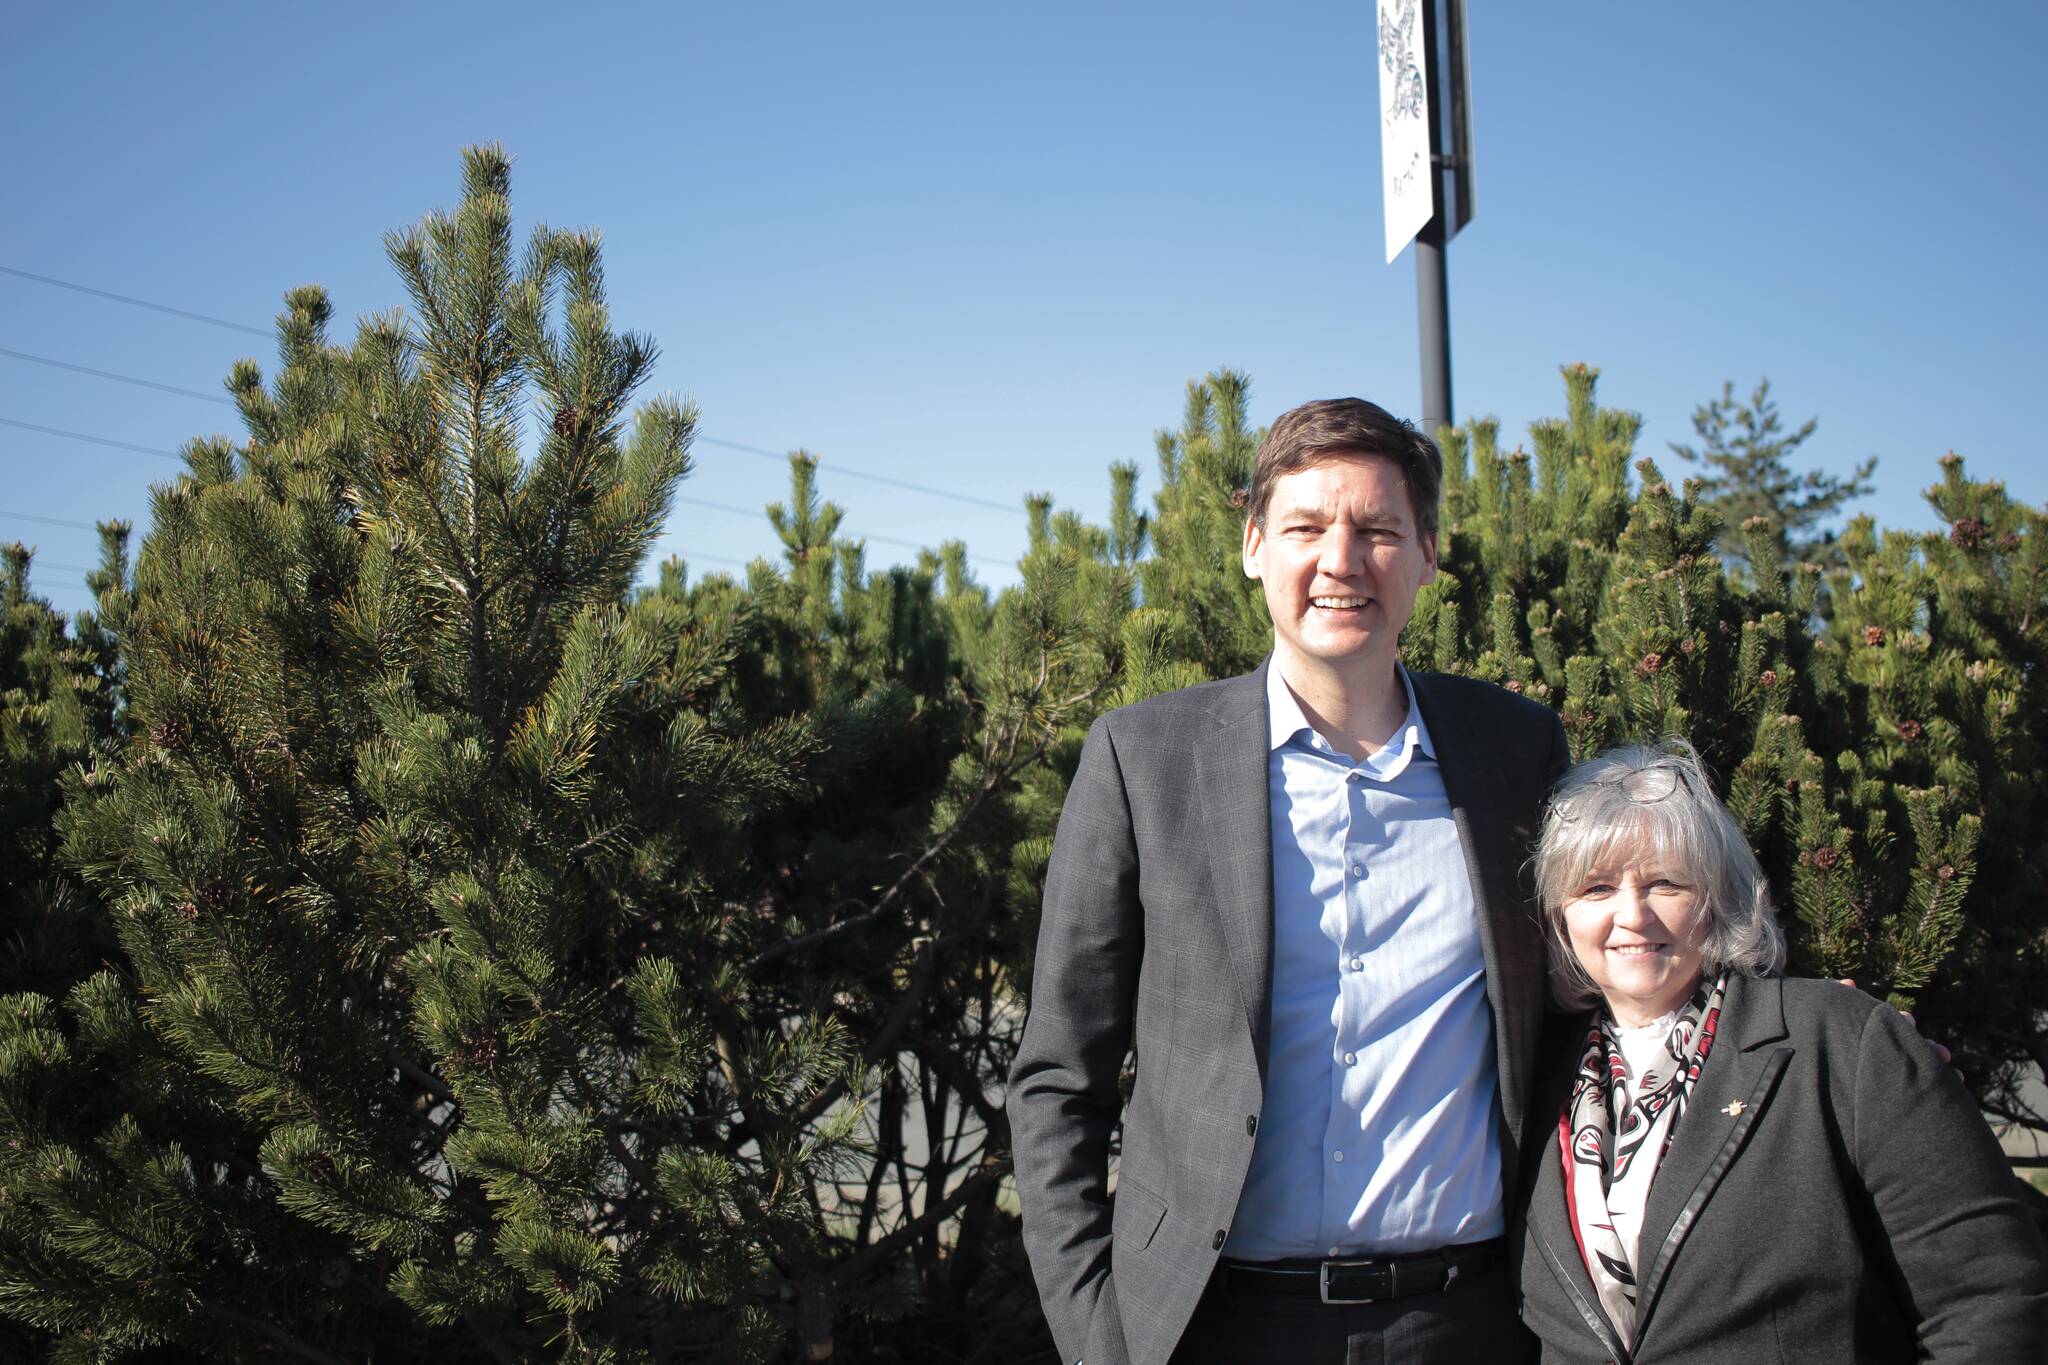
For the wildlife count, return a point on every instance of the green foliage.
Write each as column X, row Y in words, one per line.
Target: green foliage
column 1879, row 759
column 423, row 942
column 504, row 962
column 1769, row 514
column 1202, row 612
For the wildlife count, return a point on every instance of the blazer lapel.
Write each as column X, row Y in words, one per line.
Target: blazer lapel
column 1551, row 1230
column 1231, row 770
column 1515, row 978
column 1731, row 1099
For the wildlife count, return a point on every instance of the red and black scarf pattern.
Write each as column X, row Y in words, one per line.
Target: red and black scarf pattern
column 1605, row 1135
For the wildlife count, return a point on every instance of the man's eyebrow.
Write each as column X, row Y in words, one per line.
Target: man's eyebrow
column 1391, row 521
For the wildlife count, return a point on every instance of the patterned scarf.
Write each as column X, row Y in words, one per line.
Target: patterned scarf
column 1602, row 1133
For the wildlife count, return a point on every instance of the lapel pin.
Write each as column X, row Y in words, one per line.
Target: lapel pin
column 1734, row 1109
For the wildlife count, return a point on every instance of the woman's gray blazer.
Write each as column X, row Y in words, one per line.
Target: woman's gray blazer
column 1832, row 1194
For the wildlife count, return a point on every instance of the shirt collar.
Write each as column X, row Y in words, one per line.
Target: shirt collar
column 1285, row 721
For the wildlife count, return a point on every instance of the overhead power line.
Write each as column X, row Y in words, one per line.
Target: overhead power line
column 907, row 485
column 683, row 498
column 132, row 301
column 754, row 513
column 118, row 378
column 40, row 563
column 47, row 521
column 842, row 470
column 94, row 440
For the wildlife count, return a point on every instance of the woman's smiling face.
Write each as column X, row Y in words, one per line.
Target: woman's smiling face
column 1635, row 925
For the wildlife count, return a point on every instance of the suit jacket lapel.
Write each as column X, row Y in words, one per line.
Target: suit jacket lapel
column 1231, row 769
column 1550, row 1227
column 1515, row 979
column 1741, row 1075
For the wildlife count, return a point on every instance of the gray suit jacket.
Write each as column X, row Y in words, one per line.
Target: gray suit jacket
column 1853, row 1207
column 1158, row 935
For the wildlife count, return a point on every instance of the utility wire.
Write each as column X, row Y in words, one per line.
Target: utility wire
column 48, row 521
column 134, row 302
column 905, row 484
column 39, row 563
column 118, row 378
column 94, row 440
column 881, row 540
column 684, row 498
column 925, row 488
column 173, row 455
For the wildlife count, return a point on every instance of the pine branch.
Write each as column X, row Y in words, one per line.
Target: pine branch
column 854, row 1267
column 276, row 1336
column 997, row 776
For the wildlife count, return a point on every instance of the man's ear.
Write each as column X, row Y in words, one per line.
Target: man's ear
column 1254, row 542
column 1429, row 557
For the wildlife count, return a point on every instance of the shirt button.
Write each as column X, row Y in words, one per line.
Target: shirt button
column 1336, row 1251
column 1251, row 1124
column 1357, row 964
column 1358, row 869
column 1351, row 1059
column 1216, row 1242
column 1337, row 1157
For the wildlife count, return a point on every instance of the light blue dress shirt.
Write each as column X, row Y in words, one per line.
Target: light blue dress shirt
column 1379, row 1131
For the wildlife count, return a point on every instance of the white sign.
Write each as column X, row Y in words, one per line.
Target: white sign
column 1405, row 174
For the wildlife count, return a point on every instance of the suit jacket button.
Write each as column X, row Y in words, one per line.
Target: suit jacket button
column 1251, row 1124
column 1217, row 1241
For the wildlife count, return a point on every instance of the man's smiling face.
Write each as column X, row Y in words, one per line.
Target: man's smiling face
column 1341, row 560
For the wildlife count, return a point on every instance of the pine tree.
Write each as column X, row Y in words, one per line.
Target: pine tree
column 406, row 857
column 1859, row 752
column 59, row 722
column 516, row 966
column 1745, row 447
column 1203, row 611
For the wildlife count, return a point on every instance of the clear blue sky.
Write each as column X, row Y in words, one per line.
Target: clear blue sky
column 986, row 247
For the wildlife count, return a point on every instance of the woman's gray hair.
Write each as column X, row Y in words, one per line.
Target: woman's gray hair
column 1654, row 803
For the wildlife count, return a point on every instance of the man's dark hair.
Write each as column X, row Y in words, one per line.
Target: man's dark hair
column 1331, row 428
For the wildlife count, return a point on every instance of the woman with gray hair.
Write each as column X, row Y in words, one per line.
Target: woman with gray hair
column 1742, row 1167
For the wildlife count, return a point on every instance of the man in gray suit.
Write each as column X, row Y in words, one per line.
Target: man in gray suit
column 1298, row 897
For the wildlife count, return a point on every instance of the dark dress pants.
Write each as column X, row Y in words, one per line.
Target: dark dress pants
column 1471, row 1323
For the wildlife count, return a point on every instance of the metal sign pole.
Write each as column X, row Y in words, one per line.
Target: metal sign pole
column 1432, row 281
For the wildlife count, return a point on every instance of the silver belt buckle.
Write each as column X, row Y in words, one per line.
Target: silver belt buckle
column 1324, row 1280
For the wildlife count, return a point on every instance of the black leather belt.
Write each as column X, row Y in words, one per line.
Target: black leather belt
column 1362, row 1279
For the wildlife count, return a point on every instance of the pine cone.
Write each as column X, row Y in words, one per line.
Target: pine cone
column 566, row 419
column 215, row 895
column 1650, row 664
column 1769, row 677
column 188, row 910
column 1909, row 730
column 1945, row 872
column 483, row 1051
column 1826, row 856
column 170, row 733
column 1240, row 498
column 1873, row 635
column 319, row 1165
column 1968, row 532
